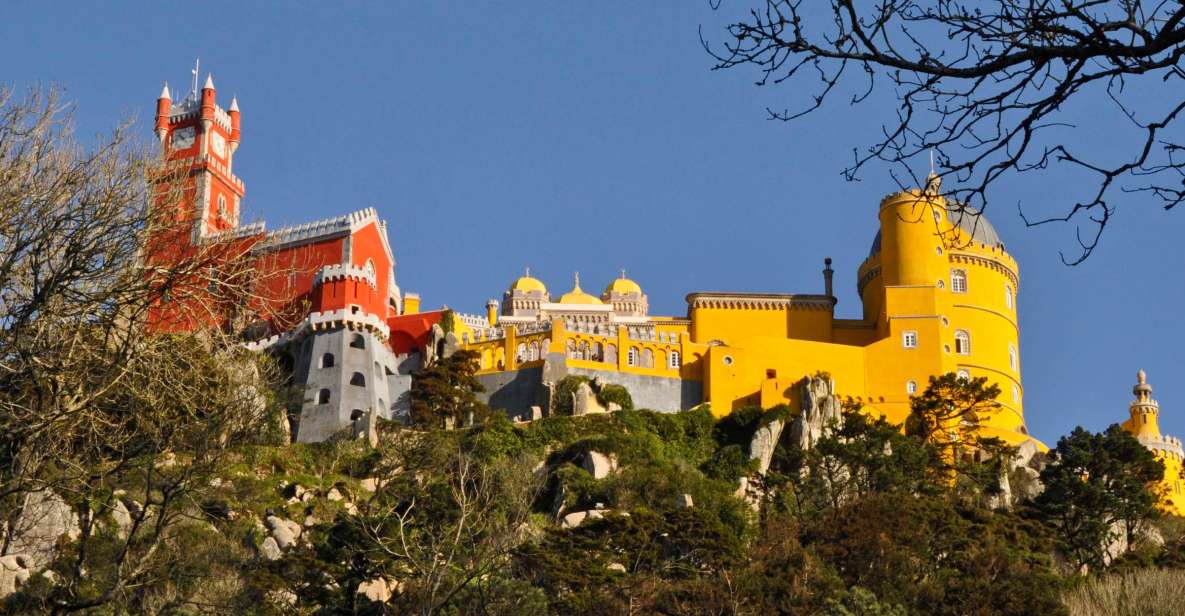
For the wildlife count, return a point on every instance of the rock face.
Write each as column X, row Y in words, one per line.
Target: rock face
column 821, row 411
column 598, row 464
column 44, row 520
column 15, row 570
column 584, row 401
column 269, row 549
column 1020, row 480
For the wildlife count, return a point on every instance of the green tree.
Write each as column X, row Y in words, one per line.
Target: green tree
column 947, row 417
column 447, row 390
column 1096, row 490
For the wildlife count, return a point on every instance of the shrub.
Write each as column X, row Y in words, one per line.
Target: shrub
column 561, row 396
column 617, row 394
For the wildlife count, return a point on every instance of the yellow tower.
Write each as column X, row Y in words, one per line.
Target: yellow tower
column 1144, row 424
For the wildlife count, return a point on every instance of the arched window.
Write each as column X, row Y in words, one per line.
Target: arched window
column 611, row 354
column 647, row 358
column 1012, row 362
column 327, row 360
column 962, row 342
column 520, row 352
column 583, row 349
column 911, row 387
column 323, row 396
column 631, row 359
column 909, row 339
column 1008, row 296
column 597, row 352
column 357, row 342
column 222, row 211
column 533, row 351
column 964, row 375
column 571, row 346
column 369, row 268
column 958, row 281
column 1015, row 393
column 358, row 379
column 673, row 360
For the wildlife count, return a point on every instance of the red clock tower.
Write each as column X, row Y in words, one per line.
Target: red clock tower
column 200, row 139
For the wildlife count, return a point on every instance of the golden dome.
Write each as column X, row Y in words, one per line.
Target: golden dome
column 526, row 284
column 622, row 286
column 578, row 296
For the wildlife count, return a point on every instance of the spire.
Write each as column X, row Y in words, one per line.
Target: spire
column 209, row 82
column 528, row 271
column 623, row 273
column 933, row 182
column 577, row 286
column 234, row 103
column 164, row 92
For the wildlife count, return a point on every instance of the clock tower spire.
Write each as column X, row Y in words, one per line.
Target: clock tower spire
column 198, row 139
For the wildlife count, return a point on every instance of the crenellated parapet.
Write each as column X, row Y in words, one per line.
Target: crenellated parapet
column 322, row 228
column 759, row 301
column 1165, row 445
column 324, row 321
column 345, row 271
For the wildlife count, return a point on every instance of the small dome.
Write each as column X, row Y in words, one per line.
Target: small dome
column 527, row 284
column 971, row 222
column 578, row 296
column 622, row 286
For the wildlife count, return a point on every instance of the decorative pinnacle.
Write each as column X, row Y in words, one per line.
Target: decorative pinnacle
column 209, row 82
column 234, row 103
column 528, row 271
column 623, row 273
column 577, row 287
column 1142, row 377
column 164, row 92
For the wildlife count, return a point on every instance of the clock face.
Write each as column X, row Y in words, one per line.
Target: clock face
column 183, row 137
column 218, row 144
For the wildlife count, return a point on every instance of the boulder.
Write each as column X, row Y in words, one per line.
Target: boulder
column 598, row 464
column 576, row 518
column 121, row 516
column 43, row 521
column 584, row 401
column 376, row 590
column 616, row 567
column 536, row 412
column 684, row 501
column 334, row 495
column 370, row 484
column 285, row 532
column 15, row 570
column 269, row 549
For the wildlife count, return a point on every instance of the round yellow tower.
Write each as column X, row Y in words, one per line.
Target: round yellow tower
column 941, row 291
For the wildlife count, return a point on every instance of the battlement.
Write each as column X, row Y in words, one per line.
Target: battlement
column 322, row 228
column 342, row 271
column 473, row 321
column 1169, row 445
column 321, row 321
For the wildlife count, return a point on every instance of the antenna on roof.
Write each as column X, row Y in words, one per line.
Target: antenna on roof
column 931, row 161
column 197, row 65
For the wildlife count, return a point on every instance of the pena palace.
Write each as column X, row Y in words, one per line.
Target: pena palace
column 939, row 294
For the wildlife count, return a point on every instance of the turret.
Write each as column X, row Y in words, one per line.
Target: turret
column 163, row 104
column 910, row 242
column 411, row 303
column 492, row 312
column 208, row 98
column 235, row 133
column 1145, row 411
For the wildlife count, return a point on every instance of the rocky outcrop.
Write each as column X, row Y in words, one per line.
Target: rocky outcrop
column 378, row 590
column 584, row 401
column 15, row 570
column 821, row 411
column 684, row 501
column 44, row 520
column 598, row 464
column 1020, row 479
column 285, row 532
column 576, row 518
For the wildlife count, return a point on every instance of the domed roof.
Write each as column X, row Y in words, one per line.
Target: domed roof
column 526, row 284
column 578, row 296
column 970, row 221
column 623, row 286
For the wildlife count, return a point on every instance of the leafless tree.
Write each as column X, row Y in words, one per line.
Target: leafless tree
column 987, row 86
column 97, row 404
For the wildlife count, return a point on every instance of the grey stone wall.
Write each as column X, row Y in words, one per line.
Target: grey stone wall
column 656, row 393
column 514, row 391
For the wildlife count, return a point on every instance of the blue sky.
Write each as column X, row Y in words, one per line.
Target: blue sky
column 498, row 136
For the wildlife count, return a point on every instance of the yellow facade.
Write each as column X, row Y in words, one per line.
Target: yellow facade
column 1144, row 424
column 938, row 293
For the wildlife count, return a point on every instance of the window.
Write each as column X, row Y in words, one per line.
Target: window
column 357, row 342
column 323, row 396
column 611, row 353
column 222, row 211
column 533, row 351
column 356, row 414
column 327, row 360
column 673, row 360
column 631, row 359
column 1012, row 363
column 520, row 353
column 909, row 339
column 962, row 342
column 358, row 380
column 1015, row 393
column 369, row 268
column 727, row 359
column 571, row 345
column 963, row 374
column 1008, row 296
column 958, row 281
column 911, row 387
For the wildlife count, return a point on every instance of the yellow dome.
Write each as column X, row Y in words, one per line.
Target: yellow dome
column 622, row 286
column 527, row 284
column 578, row 296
